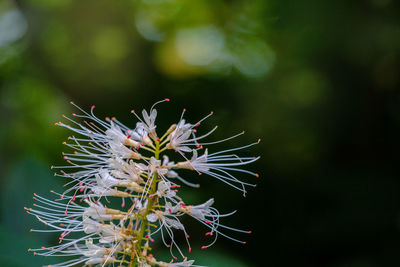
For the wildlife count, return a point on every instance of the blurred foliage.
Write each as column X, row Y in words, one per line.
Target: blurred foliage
column 318, row 81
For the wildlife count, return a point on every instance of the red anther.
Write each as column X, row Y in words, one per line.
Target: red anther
column 71, row 102
column 43, row 247
column 132, row 111
column 194, row 130
column 190, row 250
column 107, row 119
column 64, row 143
column 212, row 112
column 198, row 124
column 92, row 107
column 175, row 258
column 151, row 240
column 170, row 211
column 36, row 194
column 158, row 139
column 203, row 247
column 187, row 236
column 82, row 188
column 34, row 204
column 166, row 99
column 123, row 205
column 86, row 198
column 176, row 191
column 249, row 232
column 129, row 136
column 81, row 184
column 201, row 147
column 209, row 233
column 150, row 196
column 34, row 253
column 197, row 145
column 208, row 222
column 73, row 114
column 257, row 175
column 168, row 246
column 146, row 236
column 113, row 118
column 65, row 212
column 30, row 230
column 61, row 196
column 96, row 202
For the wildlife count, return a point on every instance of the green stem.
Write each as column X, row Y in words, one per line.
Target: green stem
column 137, row 248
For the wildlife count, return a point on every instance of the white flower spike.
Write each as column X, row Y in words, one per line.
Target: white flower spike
column 112, row 163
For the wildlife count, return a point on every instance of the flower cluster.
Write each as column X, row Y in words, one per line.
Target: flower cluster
column 122, row 190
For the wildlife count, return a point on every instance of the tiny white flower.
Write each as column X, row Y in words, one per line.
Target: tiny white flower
column 120, row 150
column 97, row 211
column 104, row 179
column 169, row 209
column 149, row 120
column 94, row 250
column 152, row 217
column 164, row 190
column 200, row 211
column 174, row 223
column 170, row 173
column 180, row 136
column 198, row 163
column 90, row 226
column 117, row 136
column 110, row 234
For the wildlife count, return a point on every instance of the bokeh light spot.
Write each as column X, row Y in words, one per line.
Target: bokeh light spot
column 110, row 44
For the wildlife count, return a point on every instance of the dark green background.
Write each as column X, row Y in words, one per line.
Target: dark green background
column 317, row 81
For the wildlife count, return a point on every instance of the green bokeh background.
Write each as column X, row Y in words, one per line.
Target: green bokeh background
column 317, row 81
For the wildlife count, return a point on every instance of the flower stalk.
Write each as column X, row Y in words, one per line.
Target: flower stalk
column 112, row 163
